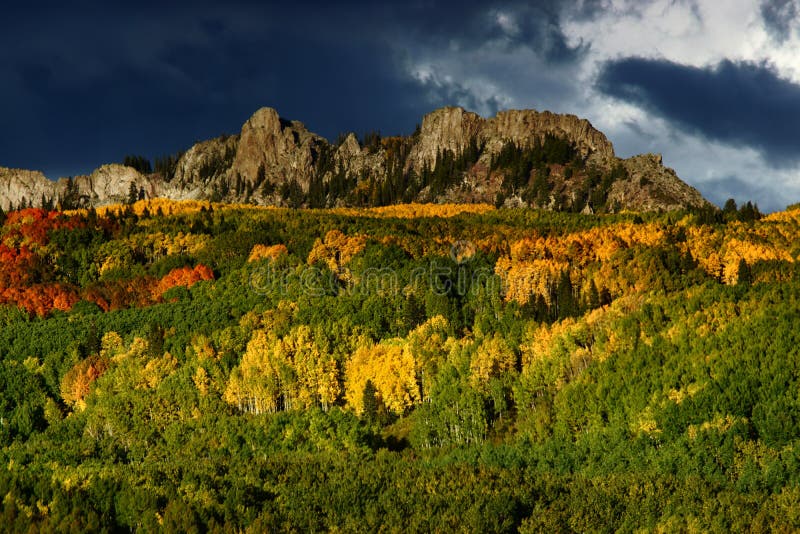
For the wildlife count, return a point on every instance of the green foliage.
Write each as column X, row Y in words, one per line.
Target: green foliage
column 673, row 405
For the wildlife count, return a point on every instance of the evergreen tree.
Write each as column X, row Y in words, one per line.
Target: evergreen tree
column 140, row 163
column 155, row 340
column 133, row 193
column 370, row 402
column 743, row 275
column 71, row 198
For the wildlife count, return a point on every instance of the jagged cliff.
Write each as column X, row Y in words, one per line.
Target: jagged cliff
column 517, row 158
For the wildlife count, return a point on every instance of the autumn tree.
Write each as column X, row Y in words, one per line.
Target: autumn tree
column 390, row 369
column 77, row 382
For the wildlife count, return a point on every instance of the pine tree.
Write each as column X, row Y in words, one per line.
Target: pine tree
column 743, row 273
column 370, row 401
column 133, row 193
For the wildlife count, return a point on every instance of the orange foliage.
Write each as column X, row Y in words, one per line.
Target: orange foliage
column 534, row 264
column 120, row 294
column 77, row 381
column 182, row 276
column 40, row 299
column 17, row 266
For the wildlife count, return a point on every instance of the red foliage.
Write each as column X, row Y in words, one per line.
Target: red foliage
column 32, row 225
column 144, row 291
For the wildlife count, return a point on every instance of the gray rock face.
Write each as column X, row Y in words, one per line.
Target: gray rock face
column 271, row 152
column 527, row 126
column 651, row 187
column 204, row 161
column 18, row 186
column 452, row 128
column 449, row 128
column 285, row 150
column 109, row 184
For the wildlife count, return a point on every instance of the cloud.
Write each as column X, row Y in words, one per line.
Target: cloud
column 468, row 26
column 780, row 16
column 742, row 104
column 85, row 84
column 494, row 55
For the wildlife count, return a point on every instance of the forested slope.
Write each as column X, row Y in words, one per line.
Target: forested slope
column 185, row 366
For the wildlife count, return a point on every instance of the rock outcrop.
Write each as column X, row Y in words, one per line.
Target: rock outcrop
column 449, row 128
column 524, row 127
column 453, row 128
column 202, row 162
column 112, row 184
column 282, row 151
column 651, row 186
column 18, row 186
column 276, row 161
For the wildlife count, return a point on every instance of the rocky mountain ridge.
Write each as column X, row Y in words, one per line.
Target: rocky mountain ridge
column 517, row 158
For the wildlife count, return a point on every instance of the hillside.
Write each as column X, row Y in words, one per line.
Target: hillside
column 517, row 158
column 195, row 366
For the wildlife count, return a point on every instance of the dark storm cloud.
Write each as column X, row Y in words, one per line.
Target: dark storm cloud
column 743, row 190
column 88, row 83
column 534, row 25
column 740, row 104
column 780, row 16
column 82, row 89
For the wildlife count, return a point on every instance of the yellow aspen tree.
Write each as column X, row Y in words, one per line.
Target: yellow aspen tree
column 391, row 371
column 156, row 370
column 492, row 359
column 272, row 252
column 254, row 385
column 201, row 381
column 426, row 345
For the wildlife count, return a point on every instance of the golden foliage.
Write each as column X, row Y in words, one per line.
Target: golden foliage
column 336, row 251
column 201, row 381
column 719, row 423
column 289, row 373
column 119, row 254
column 492, row 359
column 426, row 343
column 272, row 252
column 390, row 368
column 254, row 386
column 156, row 370
column 527, row 279
column 111, row 345
column 413, row 210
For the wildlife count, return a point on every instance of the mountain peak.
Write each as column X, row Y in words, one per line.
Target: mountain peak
column 518, row 157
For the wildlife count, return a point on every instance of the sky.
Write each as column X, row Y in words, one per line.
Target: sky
column 713, row 85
